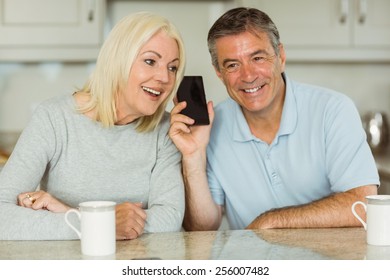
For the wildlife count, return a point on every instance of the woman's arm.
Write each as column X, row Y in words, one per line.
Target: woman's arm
column 22, row 174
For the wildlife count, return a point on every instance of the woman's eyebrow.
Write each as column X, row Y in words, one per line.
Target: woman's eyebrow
column 159, row 55
column 156, row 53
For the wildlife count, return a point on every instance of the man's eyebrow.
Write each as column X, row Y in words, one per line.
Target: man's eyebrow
column 227, row 60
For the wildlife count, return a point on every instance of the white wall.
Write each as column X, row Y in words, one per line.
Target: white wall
column 367, row 84
column 22, row 86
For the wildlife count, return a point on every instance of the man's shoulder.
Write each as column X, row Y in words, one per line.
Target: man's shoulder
column 315, row 95
column 225, row 107
column 224, row 112
column 303, row 89
column 224, row 119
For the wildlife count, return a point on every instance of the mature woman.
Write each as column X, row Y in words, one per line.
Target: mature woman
column 107, row 141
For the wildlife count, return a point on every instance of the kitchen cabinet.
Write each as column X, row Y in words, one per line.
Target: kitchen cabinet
column 330, row 30
column 42, row 30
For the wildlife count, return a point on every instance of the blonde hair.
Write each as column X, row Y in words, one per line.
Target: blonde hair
column 115, row 61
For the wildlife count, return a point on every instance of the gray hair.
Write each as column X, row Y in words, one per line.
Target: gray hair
column 239, row 20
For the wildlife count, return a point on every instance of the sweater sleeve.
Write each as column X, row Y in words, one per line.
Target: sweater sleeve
column 165, row 210
column 23, row 173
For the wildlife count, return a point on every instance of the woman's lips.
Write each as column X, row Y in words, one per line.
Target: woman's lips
column 151, row 91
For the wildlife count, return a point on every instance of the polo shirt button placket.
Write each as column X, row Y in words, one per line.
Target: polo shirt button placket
column 274, row 178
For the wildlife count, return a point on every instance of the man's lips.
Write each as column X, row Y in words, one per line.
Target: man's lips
column 252, row 90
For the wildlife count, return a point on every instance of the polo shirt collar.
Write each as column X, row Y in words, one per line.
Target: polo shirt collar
column 241, row 131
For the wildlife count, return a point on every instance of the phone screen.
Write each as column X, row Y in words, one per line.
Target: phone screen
column 191, row 90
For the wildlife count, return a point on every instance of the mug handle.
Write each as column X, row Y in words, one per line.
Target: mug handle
column 357, row 215
column 69, row 223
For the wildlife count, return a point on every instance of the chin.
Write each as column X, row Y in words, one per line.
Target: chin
column 149, row 113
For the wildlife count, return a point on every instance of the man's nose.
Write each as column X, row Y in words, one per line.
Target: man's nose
column 247, row 72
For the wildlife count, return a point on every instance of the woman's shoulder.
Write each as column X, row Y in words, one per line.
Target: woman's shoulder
column 55, row 108
column 56, row 102
column 164, row 124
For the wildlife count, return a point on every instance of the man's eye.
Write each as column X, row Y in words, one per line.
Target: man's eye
column 259, row 58
column 232, row 66
column 150, row 62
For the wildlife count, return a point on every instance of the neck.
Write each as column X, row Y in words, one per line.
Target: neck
column 124, row 114
column 265, row 124
column 125, row 119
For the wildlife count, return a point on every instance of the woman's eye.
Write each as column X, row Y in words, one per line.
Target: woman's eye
column 173, row 69
column 150, row 61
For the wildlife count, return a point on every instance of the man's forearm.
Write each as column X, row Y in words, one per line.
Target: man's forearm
column 332, row 211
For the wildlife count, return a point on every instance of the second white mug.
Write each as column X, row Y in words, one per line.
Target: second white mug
column 97, row 227
column 378, row 219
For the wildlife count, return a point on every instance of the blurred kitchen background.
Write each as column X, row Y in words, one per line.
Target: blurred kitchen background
column 48, row 48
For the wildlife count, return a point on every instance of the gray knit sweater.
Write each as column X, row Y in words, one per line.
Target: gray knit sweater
column 75, row 159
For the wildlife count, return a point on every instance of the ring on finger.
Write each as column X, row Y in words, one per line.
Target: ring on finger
column 30, row 198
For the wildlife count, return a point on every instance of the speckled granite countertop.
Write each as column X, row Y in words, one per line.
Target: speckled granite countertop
column 273, row 244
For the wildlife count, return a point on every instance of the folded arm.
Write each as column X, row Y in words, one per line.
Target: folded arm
column 332, row 211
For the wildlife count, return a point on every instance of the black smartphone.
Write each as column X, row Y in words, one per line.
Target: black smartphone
column 191, row 90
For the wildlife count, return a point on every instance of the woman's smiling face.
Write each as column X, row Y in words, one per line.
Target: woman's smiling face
column 151, row 80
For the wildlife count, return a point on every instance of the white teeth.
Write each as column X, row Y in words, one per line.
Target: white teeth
column 252, row 89
column 151, row 91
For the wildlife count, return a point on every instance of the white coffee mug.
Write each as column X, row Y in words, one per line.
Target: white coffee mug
column 378, row 219
column 377, row 252
column 97, row 227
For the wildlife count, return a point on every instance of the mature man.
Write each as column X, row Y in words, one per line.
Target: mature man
column 281, row 154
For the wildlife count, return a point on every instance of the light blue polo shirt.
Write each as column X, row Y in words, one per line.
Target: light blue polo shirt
column 320, row 149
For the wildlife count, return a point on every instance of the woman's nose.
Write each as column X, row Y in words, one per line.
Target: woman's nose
column 162, row 75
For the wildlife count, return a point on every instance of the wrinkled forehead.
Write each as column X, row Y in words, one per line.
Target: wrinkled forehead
column 245, row 42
